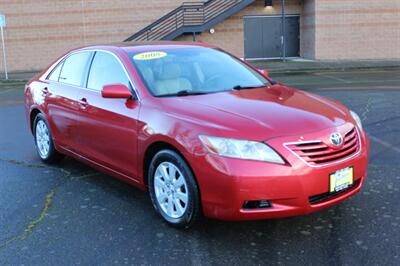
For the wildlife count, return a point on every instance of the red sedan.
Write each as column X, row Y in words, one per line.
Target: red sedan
column 204, row 132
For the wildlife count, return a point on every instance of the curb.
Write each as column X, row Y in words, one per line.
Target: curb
column 294, row 71
column 8, row 83
column 313, row 70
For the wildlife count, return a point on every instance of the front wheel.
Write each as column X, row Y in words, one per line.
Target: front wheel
column 173, row 189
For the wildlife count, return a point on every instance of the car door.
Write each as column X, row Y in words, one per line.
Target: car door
column 108, row 127
column 63, row 109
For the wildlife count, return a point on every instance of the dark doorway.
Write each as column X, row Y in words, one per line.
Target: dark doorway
column 263, row 36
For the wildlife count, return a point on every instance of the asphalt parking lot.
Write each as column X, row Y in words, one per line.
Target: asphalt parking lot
column 71, row 214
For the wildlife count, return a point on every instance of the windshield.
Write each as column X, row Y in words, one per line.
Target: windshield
column 191, row 71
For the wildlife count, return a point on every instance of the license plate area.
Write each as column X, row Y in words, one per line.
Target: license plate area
column 341, row 179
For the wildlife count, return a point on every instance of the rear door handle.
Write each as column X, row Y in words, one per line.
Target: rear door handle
column 83, row 102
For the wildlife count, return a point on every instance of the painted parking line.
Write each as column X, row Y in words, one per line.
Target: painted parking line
column 361, row 88
column 385, row 144
column 361, row 71
column 356, row 82
column 331, row 77
column 4, row 91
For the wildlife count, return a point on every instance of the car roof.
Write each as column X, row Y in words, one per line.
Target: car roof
column 132, row 47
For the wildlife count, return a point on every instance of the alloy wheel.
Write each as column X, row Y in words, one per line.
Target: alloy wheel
column 171, row 190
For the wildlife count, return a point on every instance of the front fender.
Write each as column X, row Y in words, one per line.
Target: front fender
column 161, row 128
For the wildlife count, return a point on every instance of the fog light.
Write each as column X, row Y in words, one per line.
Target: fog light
column 256, row 204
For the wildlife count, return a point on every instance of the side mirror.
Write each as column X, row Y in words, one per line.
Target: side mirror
column 116, row 91
column 264, row 72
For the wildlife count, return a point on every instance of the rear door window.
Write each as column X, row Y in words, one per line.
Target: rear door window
column 74, row 69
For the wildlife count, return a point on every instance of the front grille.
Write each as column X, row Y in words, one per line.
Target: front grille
column 329, row 195
column 318, row 153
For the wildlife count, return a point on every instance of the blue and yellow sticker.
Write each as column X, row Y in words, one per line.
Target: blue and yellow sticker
column 150, row 55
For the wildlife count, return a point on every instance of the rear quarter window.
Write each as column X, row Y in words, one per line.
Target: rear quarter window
column 55, row 73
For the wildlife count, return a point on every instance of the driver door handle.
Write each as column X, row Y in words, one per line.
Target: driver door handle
column 83, row 102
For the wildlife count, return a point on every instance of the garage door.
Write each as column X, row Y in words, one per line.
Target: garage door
column 263, row 36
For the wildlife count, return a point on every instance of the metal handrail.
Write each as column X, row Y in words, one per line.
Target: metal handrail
column 188, row 14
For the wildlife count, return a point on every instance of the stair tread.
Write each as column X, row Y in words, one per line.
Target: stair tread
column 189, row 15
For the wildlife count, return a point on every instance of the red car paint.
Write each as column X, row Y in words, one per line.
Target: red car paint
column 113, row 135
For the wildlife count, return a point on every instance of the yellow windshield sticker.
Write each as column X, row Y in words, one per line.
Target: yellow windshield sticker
column 149, row 55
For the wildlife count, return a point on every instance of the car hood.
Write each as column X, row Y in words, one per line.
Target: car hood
column 263, row 113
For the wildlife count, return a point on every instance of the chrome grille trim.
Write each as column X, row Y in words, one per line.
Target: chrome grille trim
column 358, row 150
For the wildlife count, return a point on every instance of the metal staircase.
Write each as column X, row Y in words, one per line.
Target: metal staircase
column 190, row 17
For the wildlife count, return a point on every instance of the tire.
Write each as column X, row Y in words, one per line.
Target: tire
column 44, row 141
column 167, row 188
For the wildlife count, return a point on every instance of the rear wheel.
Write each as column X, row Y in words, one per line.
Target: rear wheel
column 44, row 141
column 173, row 189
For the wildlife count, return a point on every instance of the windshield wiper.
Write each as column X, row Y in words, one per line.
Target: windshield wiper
column 183, row 93
column 240, row 87
column 186, row 93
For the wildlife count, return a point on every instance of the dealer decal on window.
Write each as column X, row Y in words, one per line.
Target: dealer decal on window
column 149, row 55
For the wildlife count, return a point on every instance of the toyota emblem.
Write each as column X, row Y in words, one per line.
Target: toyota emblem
column 336, row 139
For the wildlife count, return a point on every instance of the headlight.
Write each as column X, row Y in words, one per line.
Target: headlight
column 241, row 149
column 357, row 119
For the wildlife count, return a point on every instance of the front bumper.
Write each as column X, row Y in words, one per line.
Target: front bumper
column 226, row 183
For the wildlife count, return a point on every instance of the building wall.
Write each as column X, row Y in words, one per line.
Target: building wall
column 353, row 29
column 229, row 34
column 329, row 29
column 307, row 30
column 38, row 31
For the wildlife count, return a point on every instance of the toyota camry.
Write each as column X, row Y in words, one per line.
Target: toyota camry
column 205, row 133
